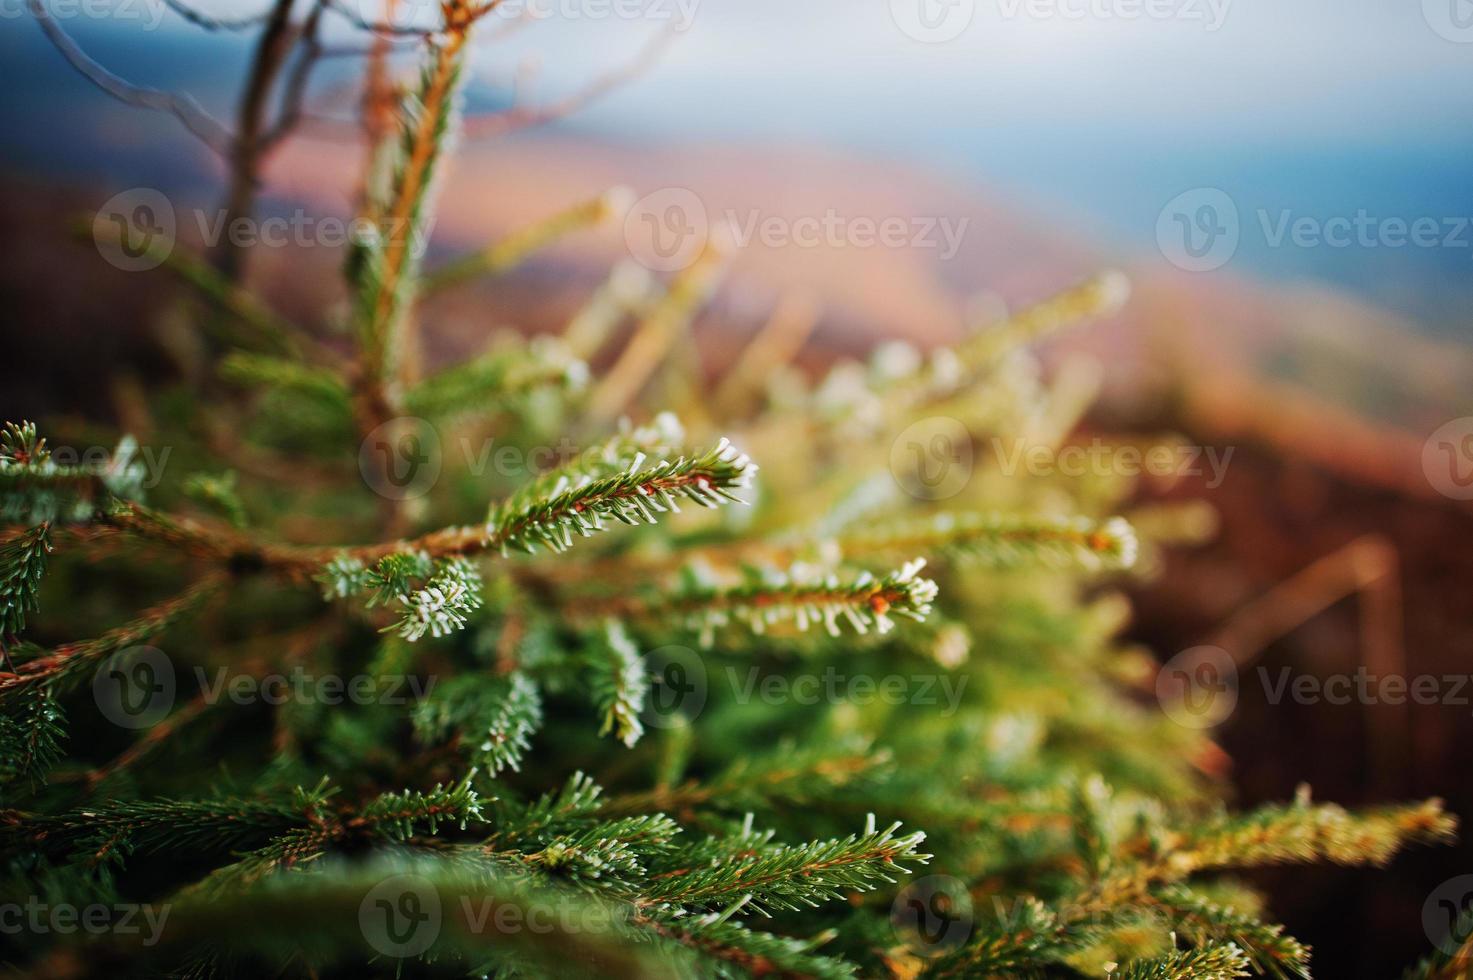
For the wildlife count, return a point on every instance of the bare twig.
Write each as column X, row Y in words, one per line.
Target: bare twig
column 216, row 23
column 521, row 116
column 182, row 107
column 292, row 99
column 380, row 27
column 248, row 149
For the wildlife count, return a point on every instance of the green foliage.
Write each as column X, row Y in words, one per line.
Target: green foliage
column 1074, row 829
column 1220, row 962
column 442, row 605
column 32, row 730
column 574, row 499
column 22, row 565
column 619, row 683
column 494, row 718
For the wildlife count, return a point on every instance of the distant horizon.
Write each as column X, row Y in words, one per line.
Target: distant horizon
column 1377, row 120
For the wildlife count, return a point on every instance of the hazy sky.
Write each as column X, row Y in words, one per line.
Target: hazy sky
column 1295, row 69
column 1092, row 112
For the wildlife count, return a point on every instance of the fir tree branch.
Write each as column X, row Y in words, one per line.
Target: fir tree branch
column 398, row 815
column 656, row 334
column 322, row 385
column 1220, row 962
column 789, row 774
column 32, row 729
column 1204, row 921
column 153, row 825
column 789, row 877
column 549, row 516
column 864, row 603
column 736, row 951
column 1006, row 540
column 262, row 329
column 492, row 717
column 496, row 379
column 627, row 289
column 388, row 268
column 1099, row 296
column 517, row 247
column 22, row 566
column 620, row 683
column 63, row 666
column 1295, row 833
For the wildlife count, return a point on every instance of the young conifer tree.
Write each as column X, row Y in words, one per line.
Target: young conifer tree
column 374, row 709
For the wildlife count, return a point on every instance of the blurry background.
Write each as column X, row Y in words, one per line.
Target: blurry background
column 1183, row 140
